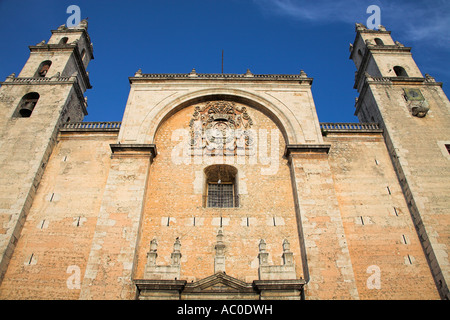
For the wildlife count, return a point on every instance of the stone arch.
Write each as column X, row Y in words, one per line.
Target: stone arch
column 42, row 71
column 400, row 71
column 26, row 105
column 280, row 114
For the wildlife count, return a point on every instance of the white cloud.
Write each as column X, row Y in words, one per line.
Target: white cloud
column 422, row 20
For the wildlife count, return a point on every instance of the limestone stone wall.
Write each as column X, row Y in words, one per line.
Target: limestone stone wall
column 26, row 144
column 325, row 253
column 386, row 254
column 417, row 147
column 52, row 251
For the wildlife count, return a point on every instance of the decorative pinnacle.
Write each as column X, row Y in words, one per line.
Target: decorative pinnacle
column 177, row 245
column 262, row 246
column 153, row 245
column 193, row 73
column 286, row 246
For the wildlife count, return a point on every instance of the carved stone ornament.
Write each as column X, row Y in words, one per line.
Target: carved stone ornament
column 416, row 102
column 220, row 125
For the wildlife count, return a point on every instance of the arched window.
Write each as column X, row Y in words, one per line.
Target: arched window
column 43, row 68
column 221, row 189
column 400, row 71
column 27, row 104
column 379, row 42
column 63, row 40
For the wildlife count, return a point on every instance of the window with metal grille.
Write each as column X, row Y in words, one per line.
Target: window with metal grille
column 220, row 195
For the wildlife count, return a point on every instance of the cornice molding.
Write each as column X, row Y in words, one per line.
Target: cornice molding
column 306, row 148
column 133, row 150
column 141, row 77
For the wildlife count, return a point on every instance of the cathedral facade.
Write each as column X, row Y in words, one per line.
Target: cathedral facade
column 223, row 186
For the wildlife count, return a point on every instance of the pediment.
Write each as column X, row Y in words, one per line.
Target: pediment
column 219, row 283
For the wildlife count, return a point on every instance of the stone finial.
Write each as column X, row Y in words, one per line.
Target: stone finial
column 398, row 44
column 193, row 73
column 176, row 254
column 303, row 74
column 138, row 73
column 220, row 246
column 177, row 245
column 62, row 27
column 10, row 77
column 152, row 255
column 286, row 246
column 83, row 24
column 288, row 256
column 56, row 76
column 381, row 28
column 360, row 26
column 219, row 236
column 263, row 254
column 153, row 245
column 262, row 246
column 219, row 259
column 427, row 76
column 276, row 272
column 42, row 43
column 248, row 73
column 163, row 272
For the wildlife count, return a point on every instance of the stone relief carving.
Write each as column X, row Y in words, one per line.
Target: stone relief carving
column 416, row 102
column 221, row 125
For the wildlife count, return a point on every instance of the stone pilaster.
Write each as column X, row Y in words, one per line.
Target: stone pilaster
column 110, row 264
column 219, row 259
column 325, row 255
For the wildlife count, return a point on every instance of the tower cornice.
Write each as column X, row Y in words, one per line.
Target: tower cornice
column 69, row 48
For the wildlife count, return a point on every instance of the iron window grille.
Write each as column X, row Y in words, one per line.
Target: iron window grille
column 221, row 195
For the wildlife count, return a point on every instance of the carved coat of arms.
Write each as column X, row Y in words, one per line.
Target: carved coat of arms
column 220, row 125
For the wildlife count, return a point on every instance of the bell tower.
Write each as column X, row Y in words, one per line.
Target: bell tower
column 47, row 92
column 414, row 112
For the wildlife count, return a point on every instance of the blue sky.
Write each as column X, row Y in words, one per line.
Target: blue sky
column 266, row 36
